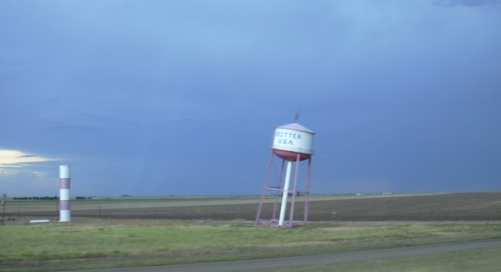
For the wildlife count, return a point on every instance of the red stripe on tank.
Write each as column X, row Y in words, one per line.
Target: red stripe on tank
column 65, row 183
column 64, row 205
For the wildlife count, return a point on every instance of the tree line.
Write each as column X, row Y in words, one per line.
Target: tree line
column 48, row 198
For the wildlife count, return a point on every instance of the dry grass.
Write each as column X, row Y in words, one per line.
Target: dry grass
column 103, row 243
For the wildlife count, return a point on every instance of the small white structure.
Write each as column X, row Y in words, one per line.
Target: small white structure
column 39, row 221
column 64, row 194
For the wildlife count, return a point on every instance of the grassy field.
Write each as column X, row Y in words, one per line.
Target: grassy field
column 154, row 231
column 429, row 207
column 106, row 243
column 486, row 260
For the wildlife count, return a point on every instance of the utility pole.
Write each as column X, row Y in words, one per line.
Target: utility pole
column 4, row 204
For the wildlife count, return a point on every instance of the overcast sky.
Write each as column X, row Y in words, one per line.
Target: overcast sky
column 181, row 97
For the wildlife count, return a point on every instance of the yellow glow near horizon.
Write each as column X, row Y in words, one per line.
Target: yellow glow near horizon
column 16, row 158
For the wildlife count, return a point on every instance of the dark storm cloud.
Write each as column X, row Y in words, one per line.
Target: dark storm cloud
column 183, row 95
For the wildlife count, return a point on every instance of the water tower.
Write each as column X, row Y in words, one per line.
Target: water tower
column 293, row 144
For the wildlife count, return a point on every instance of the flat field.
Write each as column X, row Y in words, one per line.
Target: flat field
column 163, row 231
column 426, row 207
column 485, row 260
column 111, row 243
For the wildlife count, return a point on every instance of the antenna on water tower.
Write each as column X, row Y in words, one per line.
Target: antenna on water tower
column 293, row 143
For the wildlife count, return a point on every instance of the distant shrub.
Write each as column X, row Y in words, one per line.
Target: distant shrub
column 36, row 198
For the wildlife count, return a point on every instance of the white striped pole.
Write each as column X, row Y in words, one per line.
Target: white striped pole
column 64, row 193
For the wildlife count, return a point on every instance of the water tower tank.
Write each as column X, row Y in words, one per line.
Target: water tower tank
column 291, row 140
